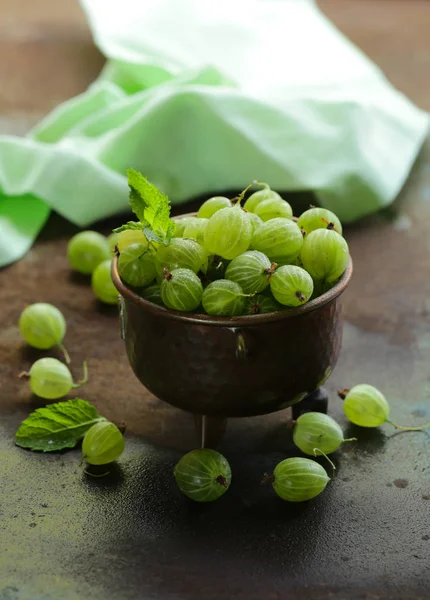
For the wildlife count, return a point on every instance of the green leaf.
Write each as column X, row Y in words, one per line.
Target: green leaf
column 151, row 207
column 129, row 225
column 151, row 236
column 57, row 426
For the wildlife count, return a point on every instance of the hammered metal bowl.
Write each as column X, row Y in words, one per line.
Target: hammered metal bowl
column 232, row 366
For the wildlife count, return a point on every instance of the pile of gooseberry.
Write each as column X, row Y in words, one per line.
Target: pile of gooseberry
column 43, row 326
column 205, row 475
column 90, row 253
column 233, row 260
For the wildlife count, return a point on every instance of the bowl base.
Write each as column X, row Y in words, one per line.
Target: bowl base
column 210, row 430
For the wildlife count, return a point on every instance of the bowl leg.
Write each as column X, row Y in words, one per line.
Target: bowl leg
column 210, row 430
column 317, row 401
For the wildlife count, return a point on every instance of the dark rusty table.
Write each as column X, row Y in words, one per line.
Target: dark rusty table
column 132, row 536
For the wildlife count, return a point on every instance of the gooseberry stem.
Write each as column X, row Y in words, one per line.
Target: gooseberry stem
column 330, row 225
column 65, row 353
column 267, row 479
column 350, row 440
column 426, row 426
column 238, row 199
column 166, row 274
column 318, row 452
column 24, row 375
column 84, row 377
column 343, row 393
column 270, row 270
column 261, row 184
column 122, row 426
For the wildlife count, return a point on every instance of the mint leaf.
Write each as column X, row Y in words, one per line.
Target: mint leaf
column 151, row 207
column 57, row 426
column 129, row 225
column 151, row 236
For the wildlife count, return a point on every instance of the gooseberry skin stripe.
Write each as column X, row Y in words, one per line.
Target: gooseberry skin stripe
column 251, row 270
column 272, row 209
column 291, row 285
column 223, row 298
column 299, row 479
column 279, row 239
column 136, row 265
column 153, row 294
column 197, row 475
column 318, row 429
column 213, row 205
column 260, row 304
column 228, row 233
column 365, row 406
column 102, row 284
column 43, row 326
column 196, row 230
column 103, row 444
column 255, row 221
column 129, row 237
column 182, row 253
column 318, row 218
column 260, row 196
column 325, row 255
column 181, row 290
column 86, row 250
column 181, row 225
column 50, row 379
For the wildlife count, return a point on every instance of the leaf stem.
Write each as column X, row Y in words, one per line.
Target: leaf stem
column 65, row 353
column 84, row 377
column 426, row 426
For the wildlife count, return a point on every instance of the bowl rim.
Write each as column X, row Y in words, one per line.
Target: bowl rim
column 240, row 321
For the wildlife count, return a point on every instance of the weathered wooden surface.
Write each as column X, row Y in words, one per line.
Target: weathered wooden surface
column 133, row 536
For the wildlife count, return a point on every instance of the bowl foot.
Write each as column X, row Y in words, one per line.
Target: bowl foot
column 210, row 430
column 317, row 401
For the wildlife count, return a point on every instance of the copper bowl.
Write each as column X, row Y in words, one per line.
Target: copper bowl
column 232, row 366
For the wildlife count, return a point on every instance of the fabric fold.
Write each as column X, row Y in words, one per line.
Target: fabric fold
column 207, row 97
